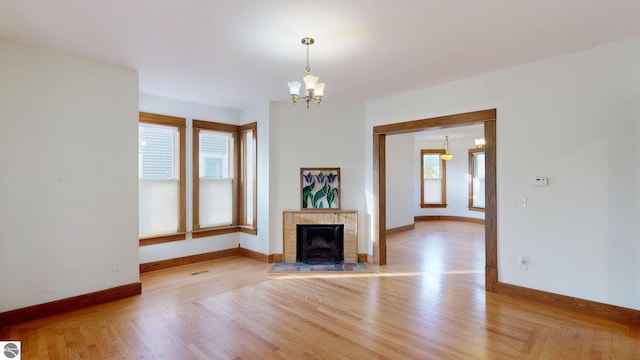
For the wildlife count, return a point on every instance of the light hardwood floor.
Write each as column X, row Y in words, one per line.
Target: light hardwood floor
column 427, row 303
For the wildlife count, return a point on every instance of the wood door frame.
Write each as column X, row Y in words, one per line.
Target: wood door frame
column 485, row 117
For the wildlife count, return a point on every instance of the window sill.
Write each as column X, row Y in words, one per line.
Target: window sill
column 158, row 239
column 433, row 205
column 214, row 231
column 248, row 230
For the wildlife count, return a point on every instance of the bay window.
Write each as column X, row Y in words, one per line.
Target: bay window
column 224, row 174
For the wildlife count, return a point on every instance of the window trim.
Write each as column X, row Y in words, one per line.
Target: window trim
column 180, row 124
column 239, row 161
column 199, row 125
column 443, row 179
column 472, row 169
column 243, row 183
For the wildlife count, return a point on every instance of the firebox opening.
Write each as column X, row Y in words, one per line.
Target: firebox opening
column 320, row 244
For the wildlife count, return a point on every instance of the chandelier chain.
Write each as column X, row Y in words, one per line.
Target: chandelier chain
column 308, row 68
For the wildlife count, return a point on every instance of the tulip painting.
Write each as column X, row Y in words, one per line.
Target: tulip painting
column 320, row 188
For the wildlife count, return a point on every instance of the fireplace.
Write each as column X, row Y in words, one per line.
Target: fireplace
column 320, row 243
column 292, row 218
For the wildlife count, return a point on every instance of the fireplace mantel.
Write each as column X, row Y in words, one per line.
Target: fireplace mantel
column 349, row 218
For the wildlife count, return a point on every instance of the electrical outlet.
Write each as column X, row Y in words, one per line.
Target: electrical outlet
column 523, row 202
column 116, row 267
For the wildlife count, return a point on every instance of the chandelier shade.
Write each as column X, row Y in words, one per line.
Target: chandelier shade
column 447, row 150
column 312, row 89
column 310, row 82
column 294, row 88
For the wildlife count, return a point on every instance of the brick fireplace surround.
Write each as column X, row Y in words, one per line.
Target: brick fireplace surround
column 347, row 217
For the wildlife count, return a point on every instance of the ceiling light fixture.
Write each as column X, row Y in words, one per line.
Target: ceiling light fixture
column 447, row 150
column 312, row 89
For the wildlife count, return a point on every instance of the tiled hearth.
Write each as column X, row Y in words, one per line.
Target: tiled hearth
column 347, row 217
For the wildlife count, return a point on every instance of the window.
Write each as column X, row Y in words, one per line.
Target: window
column 216, row 178
column 476, row 179
column 433, row 179
column 224, row 181
column 158, row 149
column 248, row 209
column 161, row 174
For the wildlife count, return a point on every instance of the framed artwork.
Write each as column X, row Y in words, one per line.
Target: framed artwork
column 319, row 188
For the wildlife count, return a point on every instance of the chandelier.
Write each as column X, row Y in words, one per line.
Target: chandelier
column 447, row 150
column 312, row 89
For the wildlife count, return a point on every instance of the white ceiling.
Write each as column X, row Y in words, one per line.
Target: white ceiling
column 241, row 53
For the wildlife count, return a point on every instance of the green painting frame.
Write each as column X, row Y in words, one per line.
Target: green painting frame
column 320, row 188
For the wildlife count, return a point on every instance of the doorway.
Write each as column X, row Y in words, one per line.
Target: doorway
column 485, row 117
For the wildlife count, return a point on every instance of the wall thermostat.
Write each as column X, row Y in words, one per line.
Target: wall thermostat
column 541, row 180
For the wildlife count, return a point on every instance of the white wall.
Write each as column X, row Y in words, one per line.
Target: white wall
column 329, row 135
column 68, row 180
column 574, row 119
column 401, row 182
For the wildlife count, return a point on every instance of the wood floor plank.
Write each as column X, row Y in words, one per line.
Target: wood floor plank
column 428, row 302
